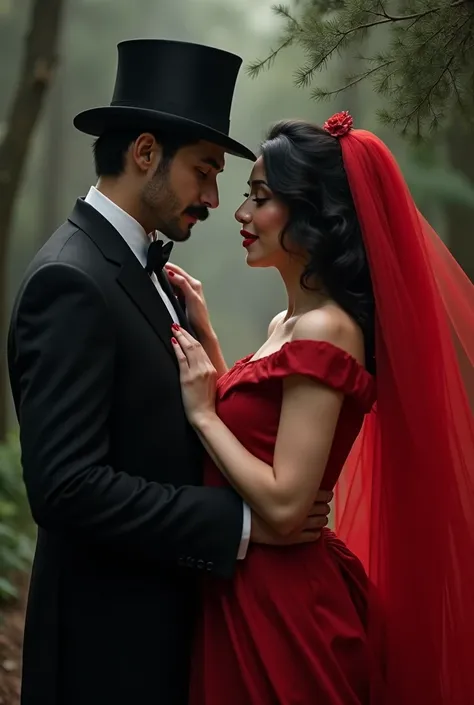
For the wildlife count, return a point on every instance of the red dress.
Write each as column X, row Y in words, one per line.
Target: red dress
column 289, row 628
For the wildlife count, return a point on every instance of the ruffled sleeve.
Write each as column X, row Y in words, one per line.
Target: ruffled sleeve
column 317, row 359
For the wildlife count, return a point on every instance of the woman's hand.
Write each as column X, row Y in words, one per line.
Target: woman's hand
column 191, row 291
column 197, row 313
column 198, row 376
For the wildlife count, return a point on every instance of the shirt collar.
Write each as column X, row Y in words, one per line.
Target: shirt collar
column 129, row 228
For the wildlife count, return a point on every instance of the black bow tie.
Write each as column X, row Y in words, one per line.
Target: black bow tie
column 158, row 255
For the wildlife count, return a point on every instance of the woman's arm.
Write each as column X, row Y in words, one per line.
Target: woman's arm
column 283, row 493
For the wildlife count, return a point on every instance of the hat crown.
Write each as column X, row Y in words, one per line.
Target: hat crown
column 179, row 78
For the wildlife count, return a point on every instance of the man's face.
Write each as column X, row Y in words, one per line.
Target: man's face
column 179, row 192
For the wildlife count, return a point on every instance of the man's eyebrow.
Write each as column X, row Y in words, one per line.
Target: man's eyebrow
column 212, row 162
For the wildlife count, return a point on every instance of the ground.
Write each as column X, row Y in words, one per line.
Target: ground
column 11, row 632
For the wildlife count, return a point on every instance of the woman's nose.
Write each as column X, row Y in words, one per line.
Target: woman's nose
column 242, row 215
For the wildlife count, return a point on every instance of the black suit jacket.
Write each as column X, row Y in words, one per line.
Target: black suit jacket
column 112, row 470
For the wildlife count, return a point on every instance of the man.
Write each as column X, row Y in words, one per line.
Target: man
column 111, row 466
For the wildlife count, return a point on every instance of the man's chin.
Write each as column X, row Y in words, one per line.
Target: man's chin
column 177, row 234
column 184, row 234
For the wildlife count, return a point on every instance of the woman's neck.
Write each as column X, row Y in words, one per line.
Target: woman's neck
column 300, row 300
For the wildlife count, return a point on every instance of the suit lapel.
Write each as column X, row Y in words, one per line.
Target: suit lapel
column 140, row 288
column 168, row 289
column 131, row 275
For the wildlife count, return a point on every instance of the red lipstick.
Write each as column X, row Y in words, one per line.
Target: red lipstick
column 248, row 238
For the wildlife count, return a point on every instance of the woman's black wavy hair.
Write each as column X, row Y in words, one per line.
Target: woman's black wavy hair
column 305, row 171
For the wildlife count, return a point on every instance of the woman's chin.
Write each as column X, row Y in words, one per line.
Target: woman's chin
column 256, row 259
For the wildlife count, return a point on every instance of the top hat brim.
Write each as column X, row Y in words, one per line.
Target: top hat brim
column 96, row 121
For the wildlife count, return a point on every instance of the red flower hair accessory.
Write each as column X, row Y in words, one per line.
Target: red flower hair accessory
column 339, row 124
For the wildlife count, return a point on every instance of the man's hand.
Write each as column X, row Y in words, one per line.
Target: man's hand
column 309, row 532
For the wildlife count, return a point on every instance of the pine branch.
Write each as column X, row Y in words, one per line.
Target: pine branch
column 426, row 99
column 256, row 67
column 283, row 11
column 419, row 15
column 392, row 19
column 428, row 66
column 289, row 36
column 321, row 94
column 432, row 100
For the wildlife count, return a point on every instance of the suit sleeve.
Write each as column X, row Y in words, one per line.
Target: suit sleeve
column 62, row 350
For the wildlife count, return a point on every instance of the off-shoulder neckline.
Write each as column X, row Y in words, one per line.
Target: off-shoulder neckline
column 247, row 360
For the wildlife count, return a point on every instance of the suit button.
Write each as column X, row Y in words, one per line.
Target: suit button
column 182, row 561
column 190, row 562
column 200, row 564
column 209, row 566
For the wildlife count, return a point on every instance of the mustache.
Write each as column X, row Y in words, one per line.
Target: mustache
column 199, row 212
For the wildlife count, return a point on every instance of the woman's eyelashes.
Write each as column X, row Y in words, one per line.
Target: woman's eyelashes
column 256, row 200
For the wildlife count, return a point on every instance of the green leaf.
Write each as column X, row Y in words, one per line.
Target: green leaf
column 16, row 526
column 7, row 590
column 12, row 560
column 7, row 533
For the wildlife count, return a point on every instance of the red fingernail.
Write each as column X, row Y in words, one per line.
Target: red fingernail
column 175, row 326
column 174, row 341
column 170, row 273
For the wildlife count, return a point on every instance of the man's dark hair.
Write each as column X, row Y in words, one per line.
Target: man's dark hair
column 111, row 147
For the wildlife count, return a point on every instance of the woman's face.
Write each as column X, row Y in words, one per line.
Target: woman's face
column 263, row 218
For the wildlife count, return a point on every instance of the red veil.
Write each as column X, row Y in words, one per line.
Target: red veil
column 405, row 501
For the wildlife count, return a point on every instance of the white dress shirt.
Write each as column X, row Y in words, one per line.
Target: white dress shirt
column 138, row 241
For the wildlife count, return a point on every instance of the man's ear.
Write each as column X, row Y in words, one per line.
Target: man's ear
column 146, row 152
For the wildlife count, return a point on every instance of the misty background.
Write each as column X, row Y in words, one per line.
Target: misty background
column 59, row 169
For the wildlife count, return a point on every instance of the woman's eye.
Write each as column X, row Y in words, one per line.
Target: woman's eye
column 256, row 200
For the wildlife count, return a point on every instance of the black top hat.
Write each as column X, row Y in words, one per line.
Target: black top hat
column 171, row 85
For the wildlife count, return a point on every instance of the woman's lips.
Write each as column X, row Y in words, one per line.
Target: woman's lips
column 248, row 238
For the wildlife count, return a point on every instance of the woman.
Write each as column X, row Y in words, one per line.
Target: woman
column 372, row 295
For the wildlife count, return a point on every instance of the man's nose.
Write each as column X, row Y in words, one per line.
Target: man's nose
column 210, row 197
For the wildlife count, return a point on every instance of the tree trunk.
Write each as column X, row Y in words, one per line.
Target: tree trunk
column 52, row 159
column 37, row 69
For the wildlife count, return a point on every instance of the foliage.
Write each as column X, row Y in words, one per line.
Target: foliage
column 436, row 182
column 16, row 528
column 425, row 71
